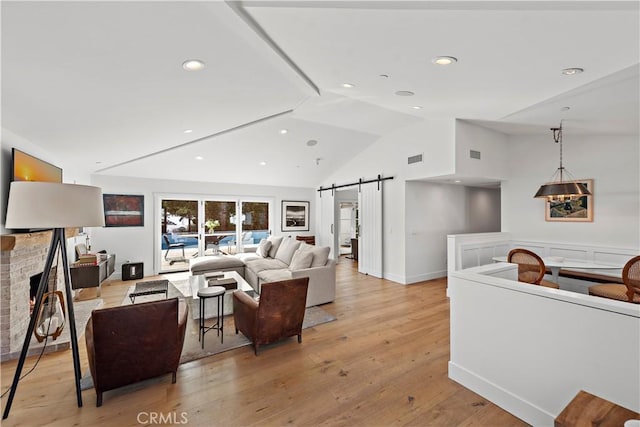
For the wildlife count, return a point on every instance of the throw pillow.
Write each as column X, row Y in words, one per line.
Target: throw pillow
column 320, row 256
column 300, row 260
column 286, row 250
column 263, row 248
column 275, row 244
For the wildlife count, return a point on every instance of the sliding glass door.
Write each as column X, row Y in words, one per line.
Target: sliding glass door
column 193, row 227
column 179, row 233
column 219, row 226
column 256, row 224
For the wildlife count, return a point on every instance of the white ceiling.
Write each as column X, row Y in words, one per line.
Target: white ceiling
column 102, row 81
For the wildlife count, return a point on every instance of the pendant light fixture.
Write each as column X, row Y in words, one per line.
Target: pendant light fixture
column 560, row 188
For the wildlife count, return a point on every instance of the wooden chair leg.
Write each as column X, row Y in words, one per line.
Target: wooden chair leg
column 98, row 398
column 299, row 338
column 173, row 377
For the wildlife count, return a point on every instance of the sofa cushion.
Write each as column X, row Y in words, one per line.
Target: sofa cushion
column 320, row 254
column 286, row 250
column 260, row 264
column 214, row 263
column 275, row 244
column 267, row 276
column 301, row 259
column 263, row 248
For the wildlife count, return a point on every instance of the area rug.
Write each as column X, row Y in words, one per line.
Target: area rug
column 192, row 348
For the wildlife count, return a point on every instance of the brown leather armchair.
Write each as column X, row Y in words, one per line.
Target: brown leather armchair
column 135, row 342
column 278, row 314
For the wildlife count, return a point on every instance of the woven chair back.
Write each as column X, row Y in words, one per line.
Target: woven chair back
column 531, row 268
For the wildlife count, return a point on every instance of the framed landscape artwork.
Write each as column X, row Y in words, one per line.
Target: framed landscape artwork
column 295, row 216
column 579, row 209
column 121, row 210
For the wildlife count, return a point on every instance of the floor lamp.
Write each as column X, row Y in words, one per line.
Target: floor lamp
column 45, row 205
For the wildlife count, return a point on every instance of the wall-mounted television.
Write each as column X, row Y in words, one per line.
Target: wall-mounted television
column 25, row 167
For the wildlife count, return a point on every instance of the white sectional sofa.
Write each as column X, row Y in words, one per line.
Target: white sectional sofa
column 279, row 258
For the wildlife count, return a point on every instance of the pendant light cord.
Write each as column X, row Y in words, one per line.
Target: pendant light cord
column 557, row 137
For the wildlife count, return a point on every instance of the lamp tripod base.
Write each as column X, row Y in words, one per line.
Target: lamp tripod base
column 57, row 241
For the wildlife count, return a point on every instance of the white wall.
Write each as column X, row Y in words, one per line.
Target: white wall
column 388, row 156
column 483, row 210
column 136, row 244
column 491, row 145
column 432, row 211
column 611, row 161
column 530, row 349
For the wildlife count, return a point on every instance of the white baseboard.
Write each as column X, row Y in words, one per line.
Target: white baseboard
column 508, row 401
column 426, row 276
column 408, row 280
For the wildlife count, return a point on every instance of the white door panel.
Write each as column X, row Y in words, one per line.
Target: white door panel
column 326, row 234
column 370, row 238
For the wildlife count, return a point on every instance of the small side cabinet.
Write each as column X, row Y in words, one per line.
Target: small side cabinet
column 92, row 276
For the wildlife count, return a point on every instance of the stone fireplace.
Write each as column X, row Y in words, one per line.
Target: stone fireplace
column 22, row 256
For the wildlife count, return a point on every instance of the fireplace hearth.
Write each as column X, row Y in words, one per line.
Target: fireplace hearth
column 22, row 257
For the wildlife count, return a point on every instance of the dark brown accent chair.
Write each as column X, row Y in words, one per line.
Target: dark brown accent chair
column 135, row 342
column 307, row 239
column 531, row 268
column 629, row 292
column 278, row 314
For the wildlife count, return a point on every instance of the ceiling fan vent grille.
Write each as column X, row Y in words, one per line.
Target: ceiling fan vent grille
column 474, row 154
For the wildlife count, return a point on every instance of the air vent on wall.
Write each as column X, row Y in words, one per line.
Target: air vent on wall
column 415, row 159
column 474, row 154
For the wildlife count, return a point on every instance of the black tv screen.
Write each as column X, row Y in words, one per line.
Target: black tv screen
column 25, row 167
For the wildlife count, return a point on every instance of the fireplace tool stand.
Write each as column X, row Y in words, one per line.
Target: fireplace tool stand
column 57, row 242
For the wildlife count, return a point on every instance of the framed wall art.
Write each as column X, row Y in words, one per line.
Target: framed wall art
column 122, row 210
column 578, row 209
column 295, row 216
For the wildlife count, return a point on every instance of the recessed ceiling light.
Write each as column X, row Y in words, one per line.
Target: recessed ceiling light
column 417, row 107
column 404, row 93
column 188, row 130
column 193, row 65
column 565, row 108
column 311, row 142
column 572, row 71
column 199, row 158
column 283, row 131
column 457, row 181
column 263, row 163
column 348, row 85
column 386, row 76
column 444, row 60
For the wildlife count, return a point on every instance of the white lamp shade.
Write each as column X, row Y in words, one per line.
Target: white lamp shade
column 53, row 205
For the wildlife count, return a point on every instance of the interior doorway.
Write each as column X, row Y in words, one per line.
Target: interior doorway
column 348, row 228
column 347, row 222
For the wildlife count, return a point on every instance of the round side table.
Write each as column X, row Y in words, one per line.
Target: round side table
column 204, row 294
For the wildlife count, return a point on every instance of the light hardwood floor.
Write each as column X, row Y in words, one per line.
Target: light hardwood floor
column 382, row 363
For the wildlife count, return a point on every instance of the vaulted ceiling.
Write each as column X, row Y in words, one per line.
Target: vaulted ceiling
column 102, row 83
